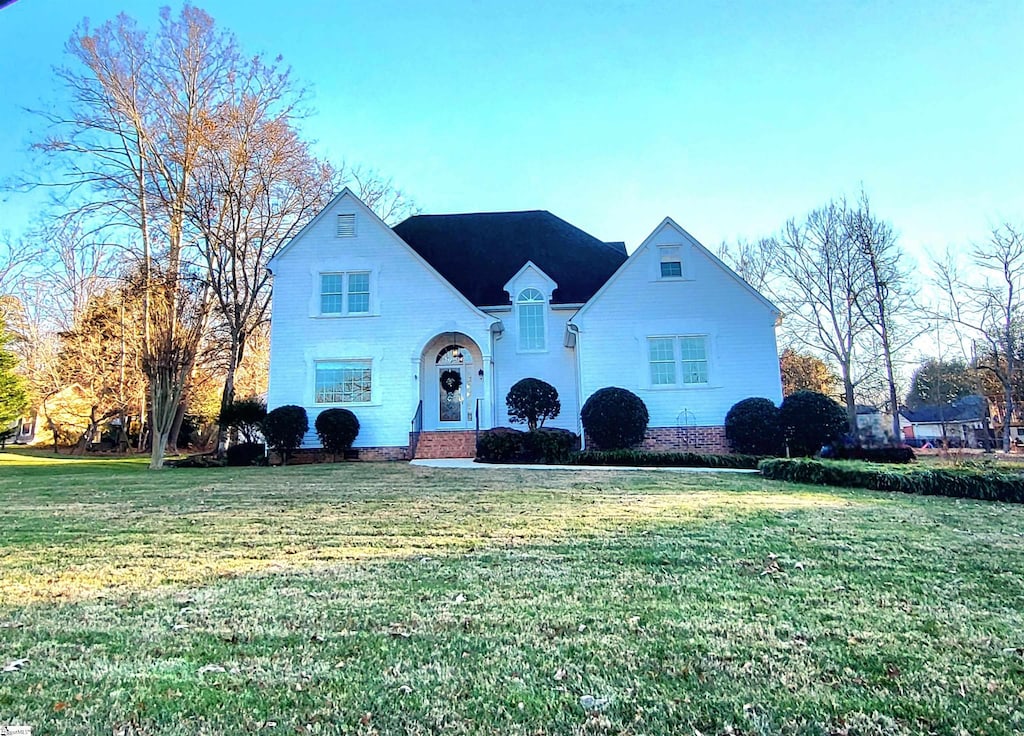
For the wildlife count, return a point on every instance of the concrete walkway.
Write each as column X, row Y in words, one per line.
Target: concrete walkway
column 464, row 463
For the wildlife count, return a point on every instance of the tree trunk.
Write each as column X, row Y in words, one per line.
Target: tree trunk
column 226, row 399
column 1007, row 414
column 851, row 400
column 179, row 417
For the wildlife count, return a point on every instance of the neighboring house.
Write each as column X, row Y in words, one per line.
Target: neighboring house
column 422, row 329
column 962, row 422
column 65, row 411
column 874, row 425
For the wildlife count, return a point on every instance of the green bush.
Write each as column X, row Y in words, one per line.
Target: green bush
column 811, row 420
column 284, row 429
column 641, row 458
column 531, row 401
column 246, row 453
column 614, row 419
column 891, row 455
column 337, row 429
column 983, row 485
column 541, row 446
column 245, row 415
column 752, row 427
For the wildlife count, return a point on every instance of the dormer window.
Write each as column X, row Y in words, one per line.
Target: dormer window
column 346, row 226
column 671, row 262
column 530, row 316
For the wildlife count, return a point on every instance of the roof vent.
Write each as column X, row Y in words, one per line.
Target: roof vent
column 346, row 226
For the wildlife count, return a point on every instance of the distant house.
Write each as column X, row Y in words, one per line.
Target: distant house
column 426, row 326
column 962, row 422
column 873, row 424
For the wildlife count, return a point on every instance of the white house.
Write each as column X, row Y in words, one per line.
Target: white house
column 422, row 329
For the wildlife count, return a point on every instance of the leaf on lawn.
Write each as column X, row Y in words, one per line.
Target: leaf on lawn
column 210, row 668
column 405, row 689
column 591, row 704
column 560, row 674
column 15, row 665
column 460, row 598
column 59, row 706
column 399, row 630
column 365, row 718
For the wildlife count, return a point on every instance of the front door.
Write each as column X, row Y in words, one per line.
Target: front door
column 454, row 382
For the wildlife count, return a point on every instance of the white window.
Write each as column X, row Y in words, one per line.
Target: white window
column 530, row 309
column 671, row 262
column 346, row 226
column 343, row 382
column 678, row 360
column 345, row 293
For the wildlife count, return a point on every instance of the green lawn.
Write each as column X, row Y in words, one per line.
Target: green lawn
column 388, row 599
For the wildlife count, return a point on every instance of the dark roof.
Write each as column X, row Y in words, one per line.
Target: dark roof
column 479, row 253
column 967, row 409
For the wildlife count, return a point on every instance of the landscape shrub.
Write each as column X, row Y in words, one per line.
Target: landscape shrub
column 810, row 420
column 547, row 446
column 531, row 401
column 205, row 460
column 614, row 418
column 643, row 458
column 246, row 416
column 752, row 427
column 284, row 429
column 337, row 429
column 980, row 484
column 246, row 453
column 890, row 455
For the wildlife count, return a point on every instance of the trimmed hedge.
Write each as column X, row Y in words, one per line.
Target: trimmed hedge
column 245, row 454
column 614, row 418
column 752, row 426
column 337, row 430
column 982, row 485
column 546, row 446
column 891, row 455
column 664, row 459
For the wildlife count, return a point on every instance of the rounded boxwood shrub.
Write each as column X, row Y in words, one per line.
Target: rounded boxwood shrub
column 284, row 427
column 337, row 429
column 614, row 418
column 531, row 401
column 752, row 427
column 506, row 445
column 811, row 420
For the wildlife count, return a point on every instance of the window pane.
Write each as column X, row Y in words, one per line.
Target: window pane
column 358, row 293
column 694, row 359
column 343, row 383
column 531, row 326
column 662, row 359
column 671, row 269
column 330, row 293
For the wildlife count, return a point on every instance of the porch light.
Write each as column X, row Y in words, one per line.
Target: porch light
column 457, row 352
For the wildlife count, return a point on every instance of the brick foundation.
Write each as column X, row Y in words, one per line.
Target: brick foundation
column 686, row 439
column 433, row 445
column 308, row 456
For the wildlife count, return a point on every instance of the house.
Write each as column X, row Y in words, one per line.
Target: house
column 963, row 422
column 422, row 329
column 873, row 425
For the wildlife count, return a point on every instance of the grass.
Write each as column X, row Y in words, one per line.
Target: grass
column 389, row 599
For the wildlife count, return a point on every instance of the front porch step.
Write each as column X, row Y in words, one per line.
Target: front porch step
column 436, row 445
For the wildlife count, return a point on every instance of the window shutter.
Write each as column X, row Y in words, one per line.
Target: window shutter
column 346, row 226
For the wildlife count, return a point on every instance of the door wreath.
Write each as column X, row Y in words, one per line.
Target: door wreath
column 451, row 381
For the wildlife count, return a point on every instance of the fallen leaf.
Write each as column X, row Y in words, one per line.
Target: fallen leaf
column 15, row 665
column 59, row 706
column 210, row 668
column 560, row 674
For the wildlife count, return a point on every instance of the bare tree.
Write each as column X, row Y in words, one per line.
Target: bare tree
column 751, row 260
column 987, row 308
column 887, row 291
column 816, row 279
column 133, row 137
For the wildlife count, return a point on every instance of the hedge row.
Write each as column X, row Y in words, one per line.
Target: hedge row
column 983, row 485
column 663, row 459
column 548, row 446
column 894, row 455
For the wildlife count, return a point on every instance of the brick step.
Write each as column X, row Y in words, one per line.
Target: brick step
column 435, row 445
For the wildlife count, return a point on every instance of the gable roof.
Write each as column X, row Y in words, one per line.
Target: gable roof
column 967, row 409
column 669, row 222
column 478, row 253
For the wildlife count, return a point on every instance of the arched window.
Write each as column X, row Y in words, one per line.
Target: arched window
column 530, row 312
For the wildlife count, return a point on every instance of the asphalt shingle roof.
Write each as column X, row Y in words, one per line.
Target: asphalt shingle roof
column 967, row 409
column 479, row 253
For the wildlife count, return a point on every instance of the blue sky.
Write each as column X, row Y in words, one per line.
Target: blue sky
column 730, row 117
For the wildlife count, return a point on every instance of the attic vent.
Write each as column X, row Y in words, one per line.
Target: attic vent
column 346, row 226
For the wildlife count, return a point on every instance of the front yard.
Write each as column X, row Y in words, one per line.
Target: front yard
column 370, row 598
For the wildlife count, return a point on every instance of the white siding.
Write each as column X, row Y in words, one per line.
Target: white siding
column 636, row 304
column 410, row 304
